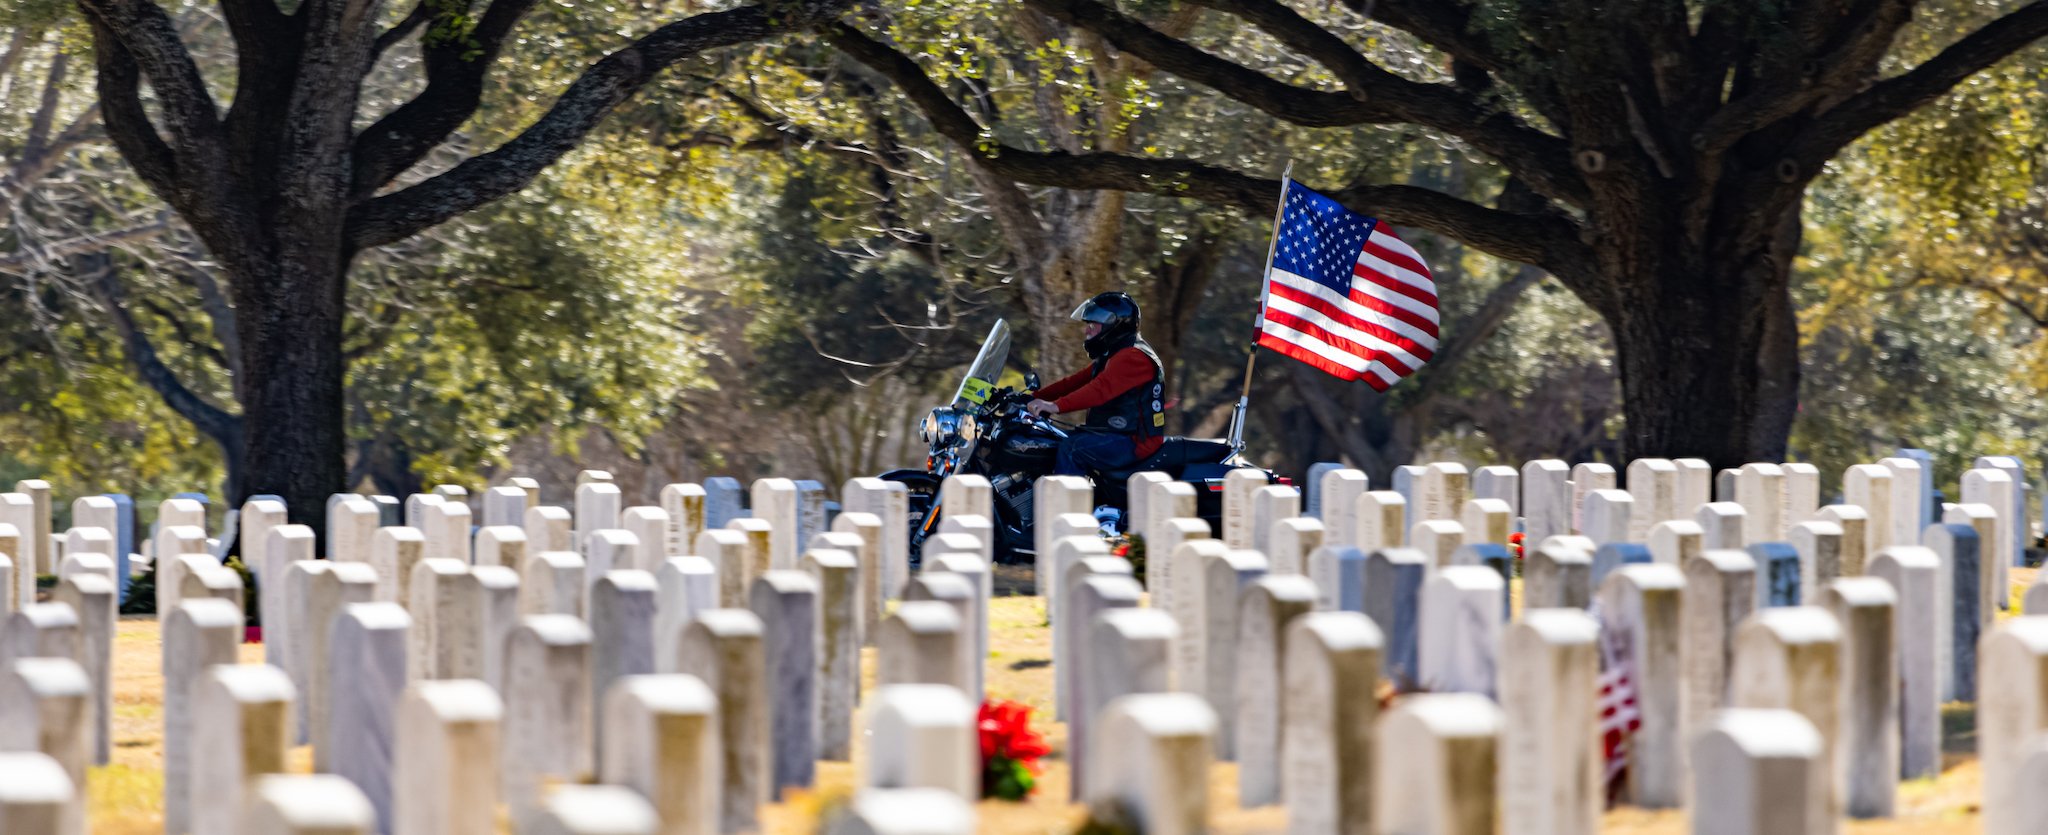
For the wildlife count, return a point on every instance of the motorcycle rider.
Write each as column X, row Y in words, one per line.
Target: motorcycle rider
column 1123, row 388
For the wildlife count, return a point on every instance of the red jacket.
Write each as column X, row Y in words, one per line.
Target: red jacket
column 1126, row 370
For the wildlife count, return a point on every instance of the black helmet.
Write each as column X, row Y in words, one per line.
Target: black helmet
column 1118, row 316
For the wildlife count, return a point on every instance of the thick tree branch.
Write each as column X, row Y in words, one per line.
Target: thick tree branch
column 1304, row 36
column 252, row 22
column 1376, row 96
column 1446, row 26
column 270, row 53
column 120, row 89
column 46, row 111
column 455, row 85
column 588, row 100
column 1854, row 56
column 29, row 170
column 1549, row 242
column 226, row 330
column 17, row 48
column 412, row 22
column 1902, row 94
column 183, row 330
column 147, row 33
column 218, row 424
column 1300, row 105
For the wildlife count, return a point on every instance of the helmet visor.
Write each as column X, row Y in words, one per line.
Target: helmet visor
column 1089, row 311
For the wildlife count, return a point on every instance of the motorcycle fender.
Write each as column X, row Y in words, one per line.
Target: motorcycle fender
column 1209, row 477
column 912, row 478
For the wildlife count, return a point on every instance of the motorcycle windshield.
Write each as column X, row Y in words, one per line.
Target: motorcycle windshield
column 987, row 368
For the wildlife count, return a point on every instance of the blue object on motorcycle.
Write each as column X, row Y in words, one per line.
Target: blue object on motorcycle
column 1111, row 520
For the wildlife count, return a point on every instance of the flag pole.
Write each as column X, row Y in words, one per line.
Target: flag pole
column 1244, row 395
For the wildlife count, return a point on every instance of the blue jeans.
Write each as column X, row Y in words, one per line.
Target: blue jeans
column 1085, row 453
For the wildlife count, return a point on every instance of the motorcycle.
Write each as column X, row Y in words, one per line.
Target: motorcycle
column 986, row 431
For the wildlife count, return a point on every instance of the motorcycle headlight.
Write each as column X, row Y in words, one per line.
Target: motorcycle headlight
column 943, row 427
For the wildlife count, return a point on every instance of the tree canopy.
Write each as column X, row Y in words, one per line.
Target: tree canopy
column 764, row 237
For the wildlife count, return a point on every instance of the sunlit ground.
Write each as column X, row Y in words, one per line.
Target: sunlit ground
column 126, row 796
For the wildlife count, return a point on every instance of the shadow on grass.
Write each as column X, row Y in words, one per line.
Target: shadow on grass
column 1014, row 580
column 1958, row 733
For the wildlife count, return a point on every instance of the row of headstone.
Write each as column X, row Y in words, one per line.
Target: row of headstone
column 1829, row 670
column 785, row 705
column 1890, row 722
column 1550, row 496
column 1830, row 541
column 431, row 604
column 563, row 663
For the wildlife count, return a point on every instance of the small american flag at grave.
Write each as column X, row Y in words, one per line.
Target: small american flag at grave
column 1345, row 294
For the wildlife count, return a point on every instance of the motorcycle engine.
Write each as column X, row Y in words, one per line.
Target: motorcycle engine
column 1015, row 491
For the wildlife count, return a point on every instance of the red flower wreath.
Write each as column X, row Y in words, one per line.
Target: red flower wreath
column 1009, row 750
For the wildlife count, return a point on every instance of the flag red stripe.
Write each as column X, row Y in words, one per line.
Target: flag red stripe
column 1379, row 324
column 1394, row 284
column 1423, row 309
column 1323, row 335
column 1379, row 376
column 1397, row 258
column 1368, row 299
column 1371, row 305
column 1283, row 347
column 1373, row 375
column 1344, row 317
column 1328, row 352
column 1377, row 384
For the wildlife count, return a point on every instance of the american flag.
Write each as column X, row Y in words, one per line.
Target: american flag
column 1344, row 294
column 1620, row 714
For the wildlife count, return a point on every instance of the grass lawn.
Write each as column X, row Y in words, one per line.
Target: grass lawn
column 126, row 796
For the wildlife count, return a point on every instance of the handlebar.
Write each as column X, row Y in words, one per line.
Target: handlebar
column 1014, row 400
column 1047, row 423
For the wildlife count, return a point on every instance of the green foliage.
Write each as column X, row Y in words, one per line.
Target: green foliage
column 1008, row 779
column 1971, row 160
column 1925, row 368
column 34, row 16
column 1116, row 820
column 80, row 420
column 141, row 594
column 739, row 249
column 1921, row 274
column 824, row 318
column 547, row 317
column 452, row 24
column 1898, row 351
column 252, row 601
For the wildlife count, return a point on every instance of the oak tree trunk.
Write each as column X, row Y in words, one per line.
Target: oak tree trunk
column 1708, row 350
column 294, row 438
column 282, row 189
